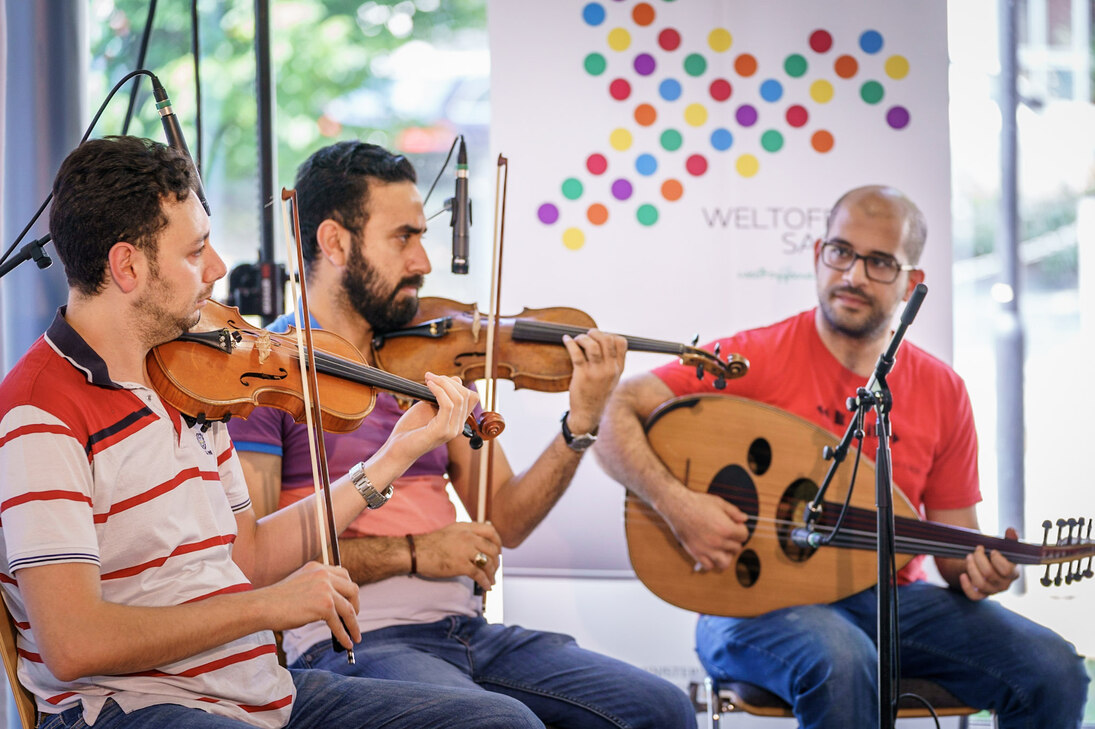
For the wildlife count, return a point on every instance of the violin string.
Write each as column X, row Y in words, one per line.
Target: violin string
column 552, row 332
column 366, row 374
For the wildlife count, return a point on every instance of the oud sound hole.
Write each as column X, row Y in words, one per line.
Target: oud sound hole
column 791, row 513
column 759, row 456
column 734, row 484
column 747, row 568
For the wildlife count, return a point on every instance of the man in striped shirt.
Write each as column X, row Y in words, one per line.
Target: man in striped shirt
column 143, row 587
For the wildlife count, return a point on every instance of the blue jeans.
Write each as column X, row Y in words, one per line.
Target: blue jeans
column 565, row 685
column 327, row 700
column 822, row 660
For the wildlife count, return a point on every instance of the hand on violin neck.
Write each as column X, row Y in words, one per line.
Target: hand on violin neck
column 426, row 426
column 598, row 359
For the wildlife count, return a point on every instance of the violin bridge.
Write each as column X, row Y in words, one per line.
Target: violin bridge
column 263, row 347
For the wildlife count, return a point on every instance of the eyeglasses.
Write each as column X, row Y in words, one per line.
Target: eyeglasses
column 879, row 267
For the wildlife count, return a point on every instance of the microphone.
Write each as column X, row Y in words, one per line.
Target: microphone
column 461, row 213
column 806, row 538
column 173, row 132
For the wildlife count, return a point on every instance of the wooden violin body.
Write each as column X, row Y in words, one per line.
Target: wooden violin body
column 227, row 367
column 448, row 337
column 768, row 463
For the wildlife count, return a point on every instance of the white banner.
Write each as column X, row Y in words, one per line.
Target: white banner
column 671, row 164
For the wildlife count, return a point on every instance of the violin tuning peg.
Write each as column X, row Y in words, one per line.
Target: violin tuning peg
column 720, row 383
column 699, row 372
column 695, row 339
column 718, row 349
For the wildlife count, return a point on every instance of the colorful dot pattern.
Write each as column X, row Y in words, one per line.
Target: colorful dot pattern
column 744, row 118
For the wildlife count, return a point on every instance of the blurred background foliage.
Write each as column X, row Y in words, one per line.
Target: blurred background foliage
column 336, row 64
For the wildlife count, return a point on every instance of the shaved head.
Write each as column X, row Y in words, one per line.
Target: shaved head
column 879, row 201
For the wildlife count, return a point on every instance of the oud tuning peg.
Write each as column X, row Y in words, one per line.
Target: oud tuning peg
column 1087, row 572
column 1046, row 525
column 1057, row 577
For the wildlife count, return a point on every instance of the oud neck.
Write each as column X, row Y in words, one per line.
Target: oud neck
column 912, row 536
column 551, row 333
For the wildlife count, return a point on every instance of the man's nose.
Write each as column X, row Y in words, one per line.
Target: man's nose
column 856, row 274
column 419, row 261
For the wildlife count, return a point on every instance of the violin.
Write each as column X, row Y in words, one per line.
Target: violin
column 228, row 367
column 530, row 346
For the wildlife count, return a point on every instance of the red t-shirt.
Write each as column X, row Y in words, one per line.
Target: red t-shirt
column 934, row 444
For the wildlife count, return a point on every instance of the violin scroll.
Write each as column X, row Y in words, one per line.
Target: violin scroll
column 733, row 367
column 490, row 425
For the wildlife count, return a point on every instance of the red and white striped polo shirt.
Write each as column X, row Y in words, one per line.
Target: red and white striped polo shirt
column 105, row 473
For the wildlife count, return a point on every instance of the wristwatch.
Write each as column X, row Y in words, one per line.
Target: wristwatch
column 373, row 499
column 580, row 442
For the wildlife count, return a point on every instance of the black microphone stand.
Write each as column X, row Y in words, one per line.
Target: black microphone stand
column 876, row 394
column 33, row 251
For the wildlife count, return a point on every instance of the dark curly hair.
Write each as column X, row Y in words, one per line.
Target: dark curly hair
column 110, row 190
column 334, row 183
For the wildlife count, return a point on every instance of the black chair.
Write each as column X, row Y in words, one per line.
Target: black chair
column 716, row 699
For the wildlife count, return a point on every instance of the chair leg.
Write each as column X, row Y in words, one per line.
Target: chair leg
column 713, row 703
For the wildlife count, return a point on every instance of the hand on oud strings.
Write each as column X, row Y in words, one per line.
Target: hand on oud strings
column 710, row 528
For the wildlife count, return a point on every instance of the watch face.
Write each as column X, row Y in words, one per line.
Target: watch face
column 581, row 442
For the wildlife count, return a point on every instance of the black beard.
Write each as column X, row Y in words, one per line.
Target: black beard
column 361, row 286
column 874, row 324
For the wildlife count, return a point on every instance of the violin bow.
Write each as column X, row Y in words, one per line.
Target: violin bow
column 486, row 455
column 321, row 476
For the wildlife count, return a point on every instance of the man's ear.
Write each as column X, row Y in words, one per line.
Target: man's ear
column 127, row 266
column 334, row 242
column 916, row 276
column 817, row 251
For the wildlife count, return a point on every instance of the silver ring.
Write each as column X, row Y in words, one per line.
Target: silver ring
column 480, row 560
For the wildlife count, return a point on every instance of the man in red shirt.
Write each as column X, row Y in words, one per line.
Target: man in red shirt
column 821, row 658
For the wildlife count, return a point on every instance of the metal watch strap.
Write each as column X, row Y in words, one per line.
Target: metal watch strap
column 373, row 499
